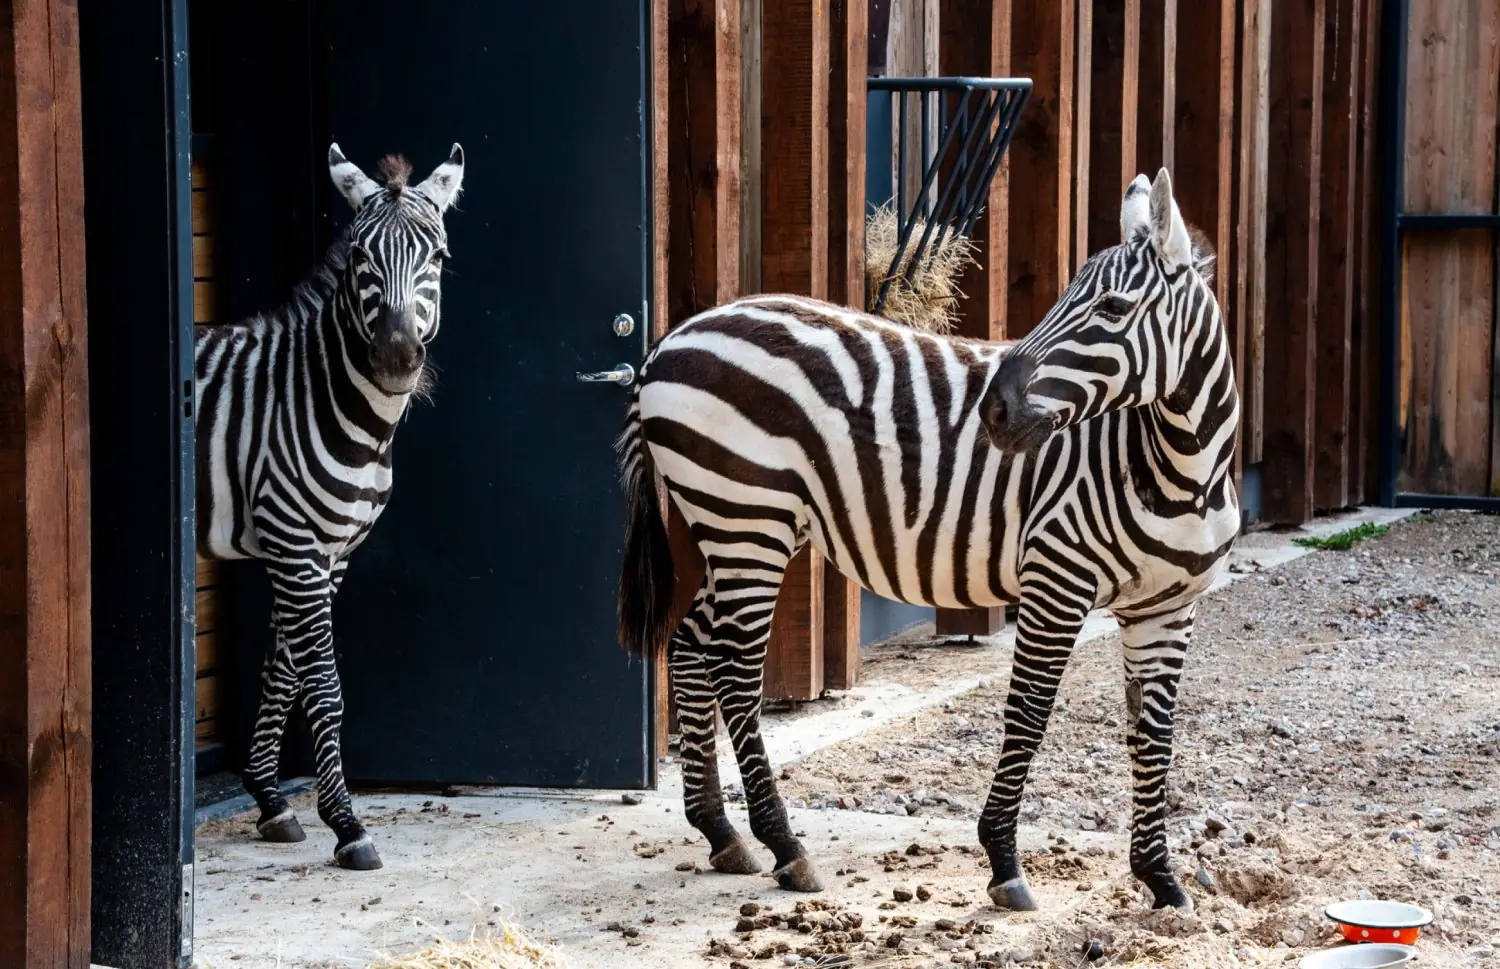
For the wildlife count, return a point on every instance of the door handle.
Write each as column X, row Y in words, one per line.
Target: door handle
column 624, row 375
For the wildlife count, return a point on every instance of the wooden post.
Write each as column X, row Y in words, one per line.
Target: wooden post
column 1156, row 91
column 969, row 46
column 45, row 682
column 1250, row 224
column 1111, row 164
column 848, row 60
column 794, row 259
column 696, row 91
column 1293, row 221
column 1040, row 162
column 1336, row 250
column 1364, row 417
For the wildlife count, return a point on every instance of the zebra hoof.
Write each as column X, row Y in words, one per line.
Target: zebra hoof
column 284, row 828
column 798, row 875
column 1168, row 893
column 735, row 860
column 358, row 855
column 1013, row 895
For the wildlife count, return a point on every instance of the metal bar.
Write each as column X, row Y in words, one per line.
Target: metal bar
column 908, row 222
column 1447, row 220
column 900, row 162
column 1409, row 499
column 949, row 83
column 1393, row 102
column 924, row 204
column 1013, row 102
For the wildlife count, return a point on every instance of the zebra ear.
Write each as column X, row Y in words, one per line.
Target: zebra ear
column 1135, row 210
column 1169, row 234
column 446, row 181
column 352, row 183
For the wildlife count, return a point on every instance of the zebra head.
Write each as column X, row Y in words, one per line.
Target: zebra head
column 397, row 245
column 1119, row 336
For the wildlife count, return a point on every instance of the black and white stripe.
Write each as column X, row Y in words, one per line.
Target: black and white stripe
column 297, row 409
column 1088, row 465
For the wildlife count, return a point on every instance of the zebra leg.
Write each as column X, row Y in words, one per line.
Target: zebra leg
column 702, row 795
column 303, row 601
column 1047, row 626
column 743, row 606
column 1155, row 649
column 278, row 691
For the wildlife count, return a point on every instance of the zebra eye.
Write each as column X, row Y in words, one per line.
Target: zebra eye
column 1113, row 305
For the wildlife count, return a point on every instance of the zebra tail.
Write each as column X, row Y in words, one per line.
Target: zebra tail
column 647, row 578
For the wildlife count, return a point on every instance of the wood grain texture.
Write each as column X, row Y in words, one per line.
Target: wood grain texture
column 1448, row 288
column 1083, row 153
column 45, row 710
column 1039, row 218
column 1364, row 419
column 1335, row 280
column 848, row 57
column 1293, row 220
column 794, row 259
column 1250, row 285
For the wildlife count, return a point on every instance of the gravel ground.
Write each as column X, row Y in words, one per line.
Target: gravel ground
column 1338, row 736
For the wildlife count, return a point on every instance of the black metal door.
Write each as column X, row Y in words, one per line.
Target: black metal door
column 475, row 629
column 139, row 251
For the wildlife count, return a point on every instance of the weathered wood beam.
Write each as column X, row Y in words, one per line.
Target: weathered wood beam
column 45, row 681
column 848, row 62
column 1294, row 205
column 794, row 259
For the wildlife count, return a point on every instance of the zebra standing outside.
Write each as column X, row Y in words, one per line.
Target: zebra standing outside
column 297, row 409
column 1088, row 465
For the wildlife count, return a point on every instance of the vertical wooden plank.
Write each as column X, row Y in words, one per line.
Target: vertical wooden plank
column 794, row 105
column 1250, row 290
column 1130, row 93
column 1040, row 221
column 703, row 79
column 1449, row 277
column 751, row 68
column 1293, row 221
column 663, row 148
column 1364, row 415
column 1203, row 141
column 1341, row 87
column 1083, row 154
column 1152, row 91
column 1105, row 125
column 848, row 57
column 45, row 686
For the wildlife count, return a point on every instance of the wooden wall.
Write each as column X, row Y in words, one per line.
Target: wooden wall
column 212, row 684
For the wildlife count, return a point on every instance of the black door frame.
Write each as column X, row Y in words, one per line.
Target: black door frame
column 139, row 249
column 1395, row 222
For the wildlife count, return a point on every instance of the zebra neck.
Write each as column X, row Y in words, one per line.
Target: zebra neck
column 1196, row 426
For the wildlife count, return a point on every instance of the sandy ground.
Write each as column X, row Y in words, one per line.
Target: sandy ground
column 1338, row 734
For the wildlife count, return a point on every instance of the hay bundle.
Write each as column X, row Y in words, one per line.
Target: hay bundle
column 506, row 947
column 930, row 302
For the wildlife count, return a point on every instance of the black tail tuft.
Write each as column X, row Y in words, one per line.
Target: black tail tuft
column 647, row 578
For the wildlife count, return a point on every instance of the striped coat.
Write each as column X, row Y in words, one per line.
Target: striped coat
column 1088, row 465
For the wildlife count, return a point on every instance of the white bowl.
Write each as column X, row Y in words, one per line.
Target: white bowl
column 1376, row 914
column 1372, row 955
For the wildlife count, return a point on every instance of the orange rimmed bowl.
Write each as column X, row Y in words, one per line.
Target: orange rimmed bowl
column 1371, row 920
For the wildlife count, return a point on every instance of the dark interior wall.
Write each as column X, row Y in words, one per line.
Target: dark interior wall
column 135, row 186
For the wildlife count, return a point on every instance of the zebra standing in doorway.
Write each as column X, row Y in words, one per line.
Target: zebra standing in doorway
column 1089, row 465
column 296, row 412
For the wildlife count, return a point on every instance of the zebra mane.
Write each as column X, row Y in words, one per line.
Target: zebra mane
column 314, row 291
